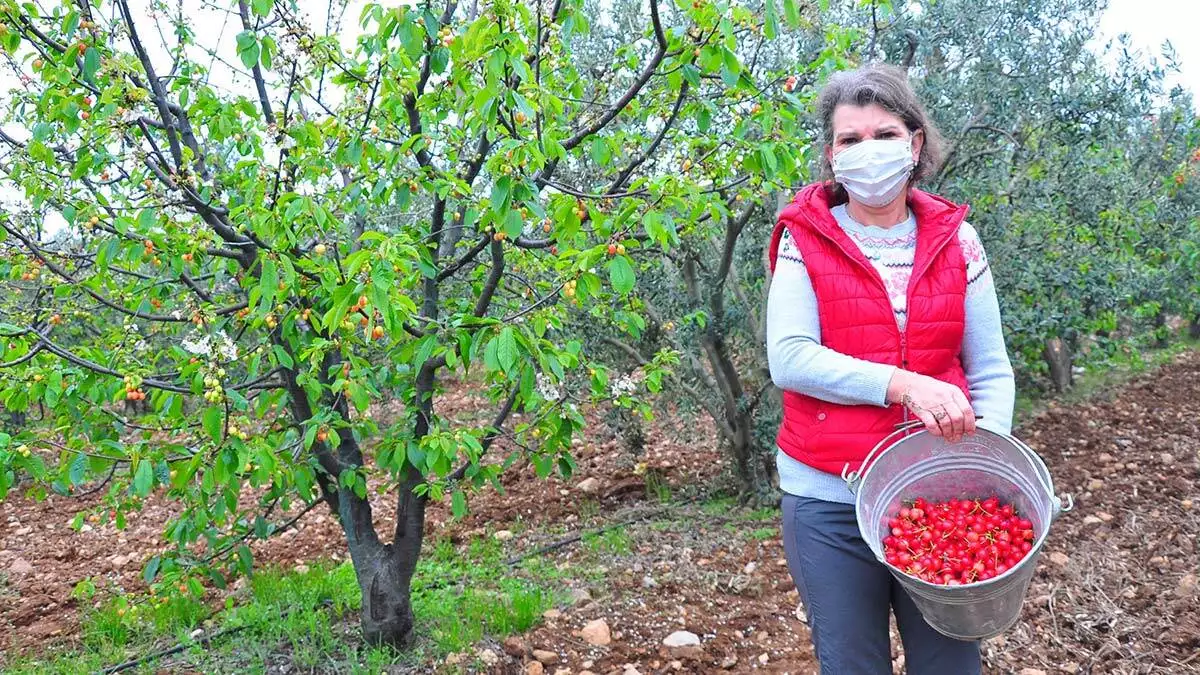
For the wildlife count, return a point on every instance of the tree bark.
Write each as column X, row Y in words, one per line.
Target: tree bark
column 1058, row 357
column 385, row 571
column 387, row 617
column 1194, row 328
column 747, row 456
column 1162, row 337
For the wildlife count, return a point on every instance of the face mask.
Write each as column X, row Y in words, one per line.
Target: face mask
column 874, row 171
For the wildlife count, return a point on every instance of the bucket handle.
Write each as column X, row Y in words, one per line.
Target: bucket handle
column 852, row 477
column 1044, row 476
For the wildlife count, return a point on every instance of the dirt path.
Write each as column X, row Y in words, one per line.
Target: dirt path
column 1124, row 599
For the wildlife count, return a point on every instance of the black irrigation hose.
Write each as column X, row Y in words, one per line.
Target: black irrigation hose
column 133, row 663
column 203, row 640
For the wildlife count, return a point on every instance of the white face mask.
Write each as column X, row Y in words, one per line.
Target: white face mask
column 875, row 171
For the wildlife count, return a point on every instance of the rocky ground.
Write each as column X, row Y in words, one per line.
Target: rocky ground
column 697, row 587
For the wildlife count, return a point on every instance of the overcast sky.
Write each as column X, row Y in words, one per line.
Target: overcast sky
column 1152, row 22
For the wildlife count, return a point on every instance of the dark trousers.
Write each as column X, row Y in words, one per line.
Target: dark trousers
column 847, row 594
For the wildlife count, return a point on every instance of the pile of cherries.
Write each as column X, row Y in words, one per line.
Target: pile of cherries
column 957, row 542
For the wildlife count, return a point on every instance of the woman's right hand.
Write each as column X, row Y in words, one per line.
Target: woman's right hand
column 941, row 406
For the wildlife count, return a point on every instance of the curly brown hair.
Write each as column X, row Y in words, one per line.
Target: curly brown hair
column 886, row 86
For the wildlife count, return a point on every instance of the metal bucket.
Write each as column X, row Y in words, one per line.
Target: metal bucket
column 984, row 464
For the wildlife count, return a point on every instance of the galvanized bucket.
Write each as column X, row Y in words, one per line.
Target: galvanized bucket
column 984, row 464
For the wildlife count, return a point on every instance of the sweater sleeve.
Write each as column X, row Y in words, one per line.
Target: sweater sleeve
column 797, row 359
column 984, row 355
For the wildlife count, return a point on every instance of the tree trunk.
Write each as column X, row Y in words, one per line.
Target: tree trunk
column 1162, row 335
column 628, row 430
column 1058, row 357
column 387, row 617
column 751, row 463
column 16, row 421
column 1194, row 328
column 385, row 571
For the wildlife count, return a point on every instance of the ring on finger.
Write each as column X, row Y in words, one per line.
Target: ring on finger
column 941, row 414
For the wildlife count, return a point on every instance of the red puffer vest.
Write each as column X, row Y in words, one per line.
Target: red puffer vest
column 857, row 319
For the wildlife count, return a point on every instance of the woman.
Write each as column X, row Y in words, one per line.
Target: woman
column 882, row 309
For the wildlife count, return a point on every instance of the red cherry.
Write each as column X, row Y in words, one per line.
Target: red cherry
column 957, row 540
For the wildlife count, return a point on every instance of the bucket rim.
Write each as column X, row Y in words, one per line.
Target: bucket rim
column 1039, row 465
column 1046, row 484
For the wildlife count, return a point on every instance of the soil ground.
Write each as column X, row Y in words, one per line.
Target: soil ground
column 1115, row 590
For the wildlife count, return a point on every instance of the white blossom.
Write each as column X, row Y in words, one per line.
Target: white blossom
column 547, row 389
column 197, row 346
column 226, row 348
column 219, row 345
column 623, row 385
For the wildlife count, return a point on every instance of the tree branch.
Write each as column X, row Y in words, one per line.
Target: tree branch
column 625, row 173
column 633, row 90
column 495, row 430
column 489, row 287
column 694, row 393
column 260, row 83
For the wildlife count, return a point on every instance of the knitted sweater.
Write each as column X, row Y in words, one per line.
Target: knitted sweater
column 799, row 362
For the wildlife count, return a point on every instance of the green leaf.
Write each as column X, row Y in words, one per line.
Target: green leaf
column 269, row 49
column 600, row 152
column 146, row 219
column 620, row 273
column 212, row 422
column 501, row 193
column 731, row 68
column 151, row 570
column 283, row 357
column 262, row 7
column 268, row 281
column 245, row 559
column 78, row 470
column 360, row 396
column 792, row 13
column 769, row 161
column 412, row 37
column 458, row 504
column 507, row 351
column 248, row 49
column 513, row 225
column 143, row 478
column 91, row 64
column 771, row 29
column 439, row 59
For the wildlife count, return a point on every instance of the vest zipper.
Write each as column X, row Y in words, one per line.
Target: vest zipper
column 904, row 362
